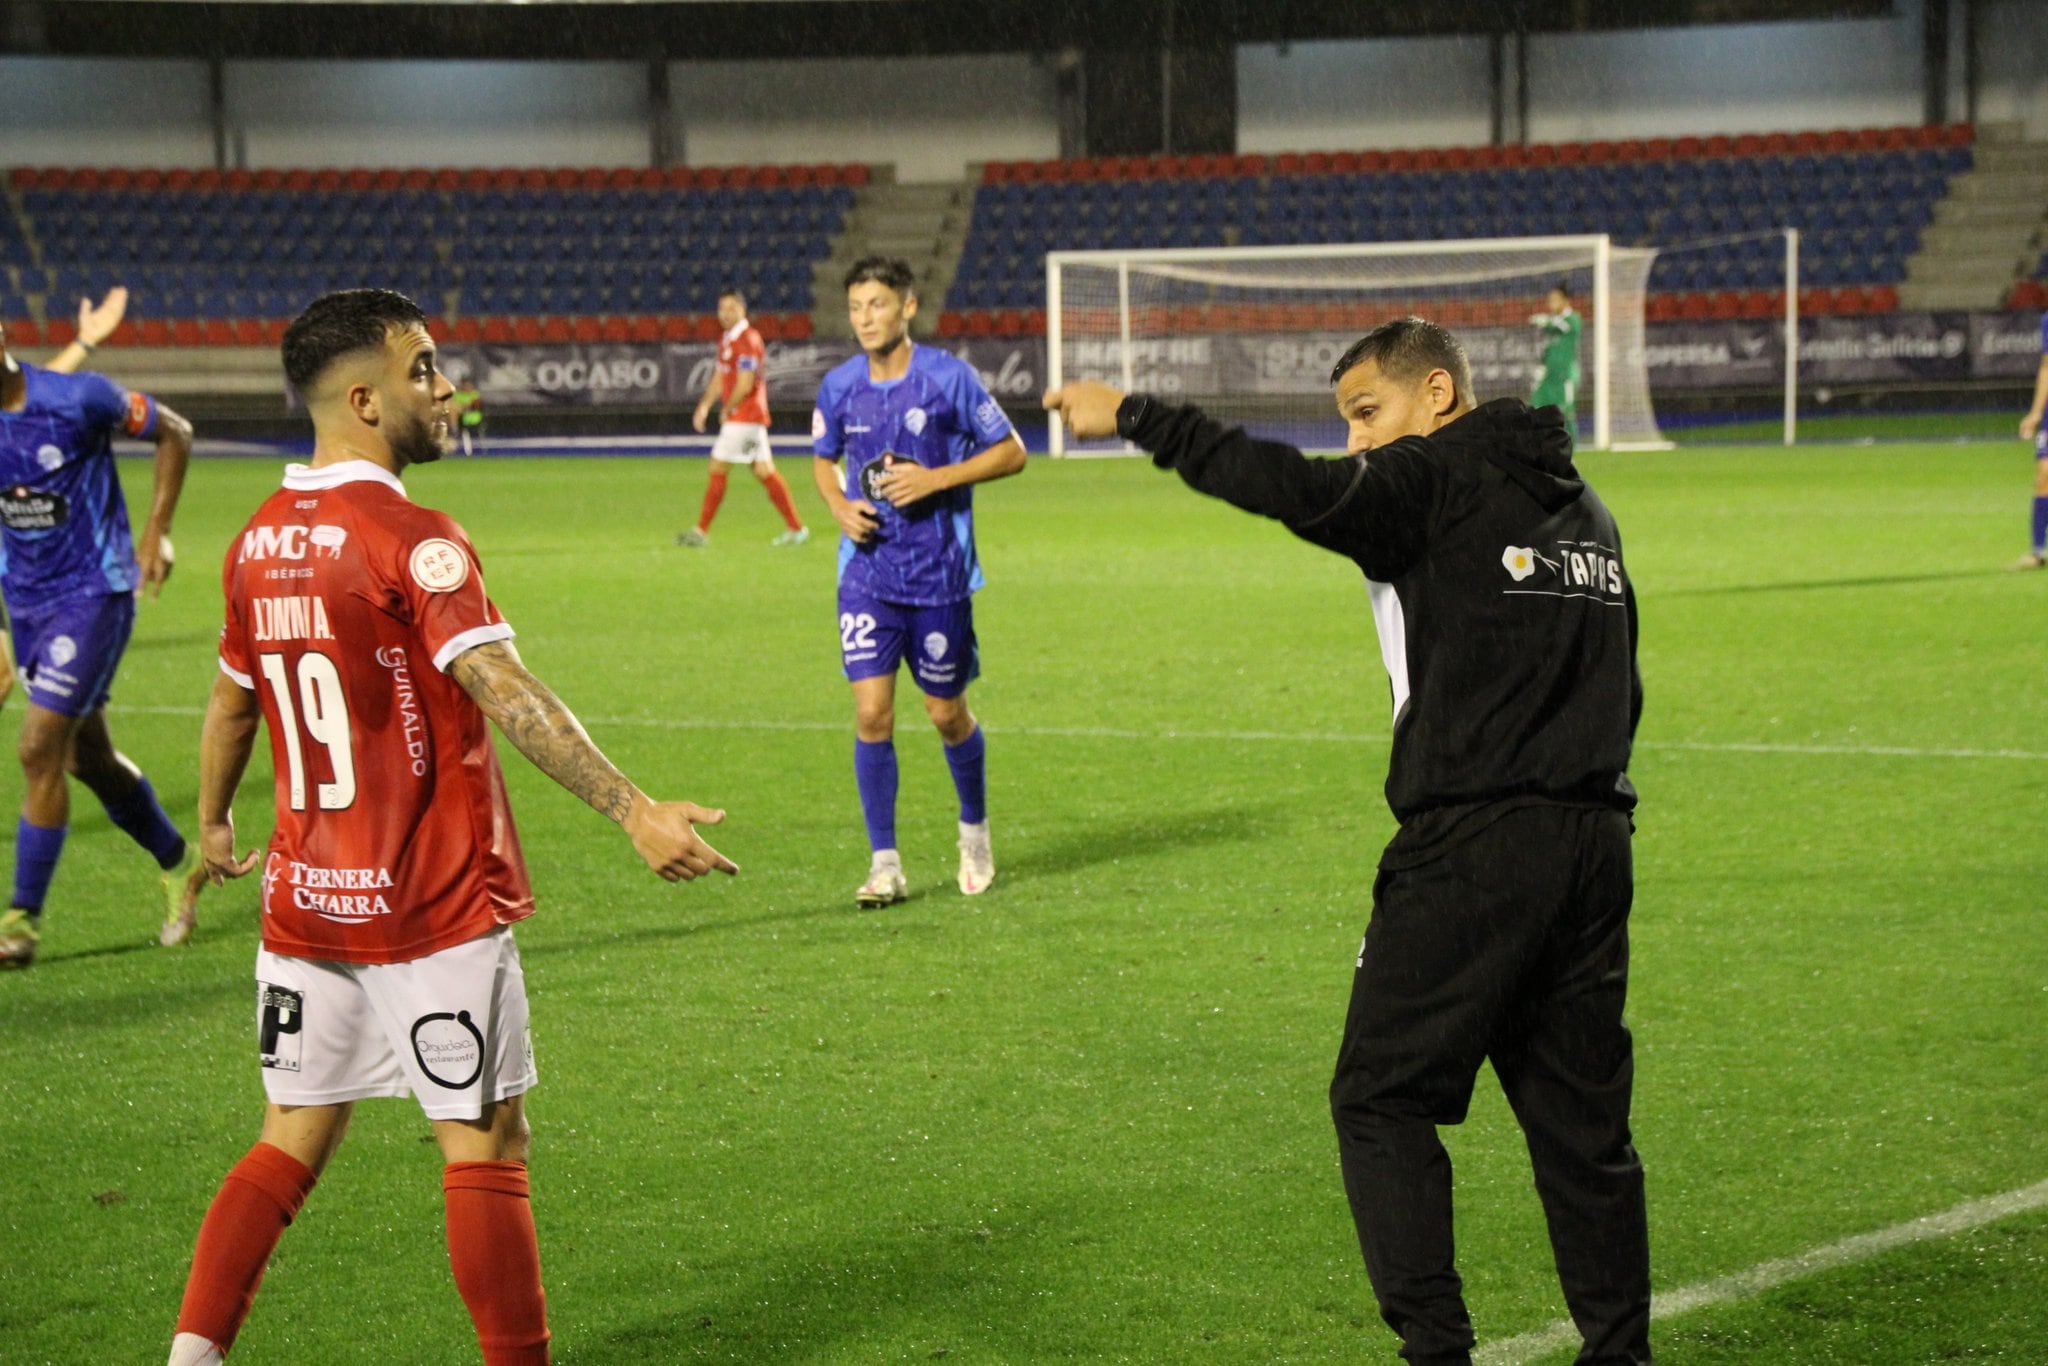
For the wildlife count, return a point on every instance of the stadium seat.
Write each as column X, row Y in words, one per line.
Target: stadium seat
column 526, row 329
column 498, row 331
column 467, row 330
column 23, row 331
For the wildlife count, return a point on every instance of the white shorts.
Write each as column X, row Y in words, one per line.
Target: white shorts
column 741, row 443
column 450, row 1028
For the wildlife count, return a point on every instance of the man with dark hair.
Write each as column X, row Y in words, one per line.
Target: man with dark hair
column 738, row 388
column 917, row 431
column 1499, row 926
column 358, row 631
column 72, row 570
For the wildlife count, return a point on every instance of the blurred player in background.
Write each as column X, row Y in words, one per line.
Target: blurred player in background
column 1558, row 386
column 738, row 390
column 917, row 431
column 71, row 575
column 96, row 322
column 358, row 631
column 2031, row 430
column 467, row 406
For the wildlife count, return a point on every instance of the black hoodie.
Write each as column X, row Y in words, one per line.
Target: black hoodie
column 1506, row 621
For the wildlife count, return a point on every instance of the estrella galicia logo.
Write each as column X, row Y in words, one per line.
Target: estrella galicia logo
column 449, row 1048
column 25, row 509
column 873, row 471
column 280, row 1016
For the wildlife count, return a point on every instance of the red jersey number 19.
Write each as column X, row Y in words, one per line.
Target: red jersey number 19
column 324, row 710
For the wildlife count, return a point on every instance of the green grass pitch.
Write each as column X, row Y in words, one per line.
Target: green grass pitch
column 1083, row 1117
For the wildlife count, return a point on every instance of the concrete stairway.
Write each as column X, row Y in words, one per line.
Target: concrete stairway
column 1988, row 231
column 926, row 225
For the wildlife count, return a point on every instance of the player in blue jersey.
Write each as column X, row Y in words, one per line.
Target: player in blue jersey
column 2031, row 430
column 916, row 431
column 71, row 570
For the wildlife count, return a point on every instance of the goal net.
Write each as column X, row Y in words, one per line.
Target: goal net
column 1250, row 333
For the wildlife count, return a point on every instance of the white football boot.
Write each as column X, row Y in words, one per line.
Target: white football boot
column 885, row 885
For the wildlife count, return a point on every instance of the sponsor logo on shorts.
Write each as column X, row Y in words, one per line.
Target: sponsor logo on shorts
column 449, row 1048
column 49, row 457
column 63, row 650
column 439, row 566
column 915, row 420
column 25, row 509
column 935, row 645
column 280, row 1014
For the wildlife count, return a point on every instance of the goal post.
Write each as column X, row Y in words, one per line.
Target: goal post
column 1250, row 333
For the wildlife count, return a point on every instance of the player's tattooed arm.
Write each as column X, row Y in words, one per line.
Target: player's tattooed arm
column 542, row 728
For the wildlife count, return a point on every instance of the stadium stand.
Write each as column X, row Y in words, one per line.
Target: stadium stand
column 1860, row 198
column 224, row 258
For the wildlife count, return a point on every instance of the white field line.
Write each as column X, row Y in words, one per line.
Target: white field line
column 1242, row 736
column 1743, row 1285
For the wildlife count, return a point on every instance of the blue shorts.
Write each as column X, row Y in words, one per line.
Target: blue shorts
column 874, row 637
column 66, row 651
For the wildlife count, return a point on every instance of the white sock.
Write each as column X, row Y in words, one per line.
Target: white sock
column 887, row 858
column 190, row 1349
column 974, row 832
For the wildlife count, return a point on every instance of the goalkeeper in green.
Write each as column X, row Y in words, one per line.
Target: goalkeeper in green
column 1558, row 385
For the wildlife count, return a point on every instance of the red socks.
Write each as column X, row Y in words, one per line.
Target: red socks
column 778, row 494
column 714, row 494
column 257, row 1199
column 491, row 1246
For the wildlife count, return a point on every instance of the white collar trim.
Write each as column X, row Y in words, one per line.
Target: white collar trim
column 733, row 333
column 306, row 477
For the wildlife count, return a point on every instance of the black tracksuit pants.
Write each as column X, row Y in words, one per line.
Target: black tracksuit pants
column 1509, row 943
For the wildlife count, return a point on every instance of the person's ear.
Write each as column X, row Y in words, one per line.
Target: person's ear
column 1443, row 392
column 362, row 401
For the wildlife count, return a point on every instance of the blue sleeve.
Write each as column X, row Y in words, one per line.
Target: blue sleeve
column 2044, row 334
column 827, row 440
column 980, row 414
column 105, row 404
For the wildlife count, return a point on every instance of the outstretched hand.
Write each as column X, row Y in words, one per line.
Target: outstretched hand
column 664, row 835
column 217, row 852
column 96, row 323
column 1087, row 406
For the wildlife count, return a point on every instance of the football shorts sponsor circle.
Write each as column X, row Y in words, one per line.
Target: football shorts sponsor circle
column 936, row 645
column 439, row 566
column 449, row 1049
column 63, row 649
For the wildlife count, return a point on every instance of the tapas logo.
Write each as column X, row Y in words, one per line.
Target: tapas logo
column 1519, row 561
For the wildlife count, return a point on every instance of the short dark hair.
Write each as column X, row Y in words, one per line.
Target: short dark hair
column 339, row 324
column 892, row 271
column 1407, row 349
column 734, row 292
column 1563, row 287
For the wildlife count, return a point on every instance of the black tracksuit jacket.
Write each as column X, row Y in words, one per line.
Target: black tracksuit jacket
column 1506, row 620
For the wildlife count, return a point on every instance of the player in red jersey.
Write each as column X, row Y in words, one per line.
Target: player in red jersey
column 359, row 632
column 738, row 389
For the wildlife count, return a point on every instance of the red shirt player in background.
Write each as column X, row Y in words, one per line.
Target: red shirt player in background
column 739, row 390
column 359, row 632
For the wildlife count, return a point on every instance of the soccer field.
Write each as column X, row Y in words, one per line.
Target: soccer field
column 1082, row 1117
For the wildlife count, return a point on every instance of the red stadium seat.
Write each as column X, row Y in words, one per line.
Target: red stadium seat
column 219, row 332
column 237, row 179
column 54, row 178
column 468, row 330
column 1009, row 322
column 568, row 178
column 498, row 331
column 1749, row 145
column 1776, row 144
column 1251, row 163
column 1756, row 303
column 356, row 181
column 1541, row 154
column 769, row 325
column 248, row 331
column 616, row 329
column 581, row 329
column 1372, row 161
column 1719, row 145
column 1884, row 299
column 676, row 328
column 1287, row 163
column 184, row 332
column 418, row 180
column 22, row 178
column 1341, row 163
column 981, row 323
column 437, row 328
column 557, row 329
column 1599, row 152
column 704, row 329
column 526, row 330
column 646, row 328
column 1630, row 149
column 327, row 179
column 502, row 179
column 22, row 332
column 1897, row 138
column 2028, row 294
column 1959, row 134
column 447, row 179
column 1867, row 139
column 589, row 178
column 1660, row 308
column 797, row 327
column 1315, row 163
column 1034, row 322
column 1571, row 153
column 1837, row 140
column 533, row 178
column 856, row 176
column 622, row 178
column 274, row 330
column 1657, row 149
column 155, row 332
column 1694, row 306
column 1400, row 159
column 1428, row 159
column 1486, row 158
column 1687, row 146
column 117, row 178
column 1808, row 143
column 86, row 178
